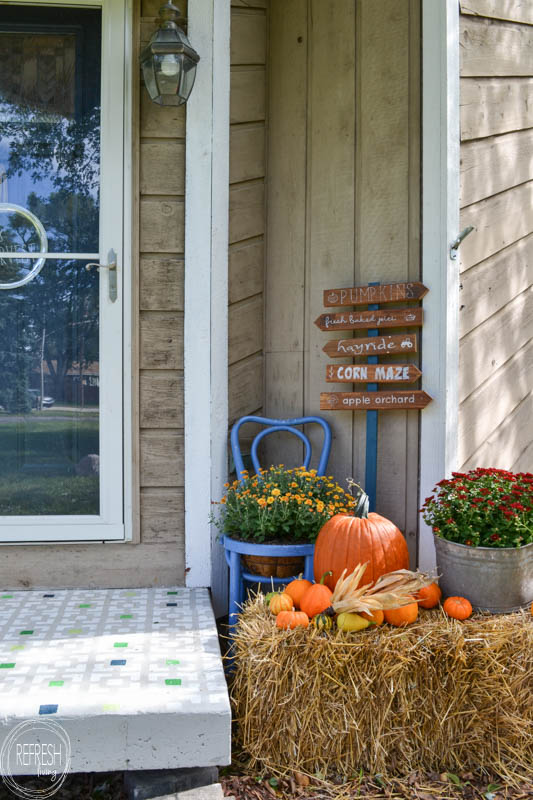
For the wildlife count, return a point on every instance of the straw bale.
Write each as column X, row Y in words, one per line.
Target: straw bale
column 437, row 695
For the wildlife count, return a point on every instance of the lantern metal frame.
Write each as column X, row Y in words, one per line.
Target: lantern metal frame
column 161, row 45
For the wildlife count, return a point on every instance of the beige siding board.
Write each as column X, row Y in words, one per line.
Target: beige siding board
column 246, row 211
column 94, row 566
column 490, row 285
column 330, row 200
column 484, row 350
column 493, row 165
column 161, row 283
column 161, row 340
column 512, row 10
column 495, row 49
column 248, row 94
column 248, row 37
column 490, row 106
column 247, row 152
column 250, row 3
column 500, row 449
column 246, row 269
column 162, row 458
column 488, row 407
column 165, row 122
column 245, row 386
column 245, row 328
column 498, row 221
column 386, row 232
column 286, row 202
column 161, row 399
column 163, row 167
column 524, row 461
column 162, row 225
column 162, row 517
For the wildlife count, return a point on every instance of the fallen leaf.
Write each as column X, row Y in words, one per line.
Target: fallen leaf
column 301, row 779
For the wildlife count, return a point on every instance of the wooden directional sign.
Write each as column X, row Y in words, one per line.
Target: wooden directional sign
column 358, row 320
column 371, row 346
column 369, row 401
column 383, row 293
column 372, row 373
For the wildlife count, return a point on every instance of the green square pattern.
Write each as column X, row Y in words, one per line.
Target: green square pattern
column 171, row 592
column 56, row 683
column 126, row 616
column 7, row 666
column 120, row 644
column 173, row 682
column 172, row 661
column 7, row 597
column 84, row 605
column 18, row 647
column 26, row 633
column 74, row 631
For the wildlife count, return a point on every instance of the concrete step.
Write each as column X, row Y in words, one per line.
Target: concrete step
column 212, row 792
column 133, row 677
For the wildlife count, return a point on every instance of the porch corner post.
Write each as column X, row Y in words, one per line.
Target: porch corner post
column 206, row 294
column 440, row 226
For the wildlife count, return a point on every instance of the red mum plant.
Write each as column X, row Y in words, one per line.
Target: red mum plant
column 483, row 508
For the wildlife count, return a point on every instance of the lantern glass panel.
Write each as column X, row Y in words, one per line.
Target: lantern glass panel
column 187, row 79
column 168, row 73
column 150, row 80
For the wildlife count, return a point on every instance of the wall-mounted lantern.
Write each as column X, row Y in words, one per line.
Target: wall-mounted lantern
column 168, row 61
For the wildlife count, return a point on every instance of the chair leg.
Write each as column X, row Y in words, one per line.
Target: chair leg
column 308, row 568
column 236, row 589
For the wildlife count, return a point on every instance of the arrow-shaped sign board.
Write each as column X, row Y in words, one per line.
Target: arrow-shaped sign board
column 383, row 293
column 358, row 320
column 371, row 346
column 372, row 373
column 369, row 401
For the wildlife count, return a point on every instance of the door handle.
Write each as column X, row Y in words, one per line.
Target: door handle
column 112, row 267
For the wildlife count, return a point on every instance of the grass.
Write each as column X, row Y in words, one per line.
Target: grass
column 37, row 466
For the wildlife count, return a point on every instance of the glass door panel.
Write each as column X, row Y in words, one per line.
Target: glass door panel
column 54, row 312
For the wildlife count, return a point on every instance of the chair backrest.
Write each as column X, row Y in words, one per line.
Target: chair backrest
column 274, row 425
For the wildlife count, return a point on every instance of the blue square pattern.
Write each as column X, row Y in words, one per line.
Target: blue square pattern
column 118, row 662
column 48, row 709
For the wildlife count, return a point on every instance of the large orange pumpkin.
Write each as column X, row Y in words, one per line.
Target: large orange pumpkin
column 346, row 541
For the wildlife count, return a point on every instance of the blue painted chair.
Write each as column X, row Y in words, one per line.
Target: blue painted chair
column 234, row 549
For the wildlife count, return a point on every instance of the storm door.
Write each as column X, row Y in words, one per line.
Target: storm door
column 61, row 236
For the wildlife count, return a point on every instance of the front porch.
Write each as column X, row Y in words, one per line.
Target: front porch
column 134, row 676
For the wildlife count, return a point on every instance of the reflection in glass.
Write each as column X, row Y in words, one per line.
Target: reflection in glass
column 49, row 393
column 49, row 328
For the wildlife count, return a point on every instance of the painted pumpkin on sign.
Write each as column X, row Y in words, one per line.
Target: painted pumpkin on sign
column 346, row 541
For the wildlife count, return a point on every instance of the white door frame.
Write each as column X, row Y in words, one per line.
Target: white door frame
column 115, row 520
column 440, row 227
column 206, row 293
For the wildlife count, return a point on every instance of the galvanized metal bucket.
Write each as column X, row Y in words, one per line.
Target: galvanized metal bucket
column 496, row 579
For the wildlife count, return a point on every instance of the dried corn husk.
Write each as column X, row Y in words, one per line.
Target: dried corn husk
column 393, row 590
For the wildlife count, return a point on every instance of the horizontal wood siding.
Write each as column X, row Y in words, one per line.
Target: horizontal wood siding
column 496, row 307
column 247, row 206
column 343, row 209
column 160, row 337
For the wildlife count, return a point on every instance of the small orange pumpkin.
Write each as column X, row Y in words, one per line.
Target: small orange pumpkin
column 429, row 596
column 280, row 602
column 457, row 607
column 317, row 598
column 402, row 616
column 292, row 619
column 377, row 616
column 296, row 589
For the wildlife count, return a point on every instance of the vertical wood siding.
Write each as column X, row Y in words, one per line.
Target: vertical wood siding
column 496, row 300
column 343, row 209
column 247, row 205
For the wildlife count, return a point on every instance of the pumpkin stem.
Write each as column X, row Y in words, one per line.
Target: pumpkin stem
column 361, row 498
column 325, row 575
